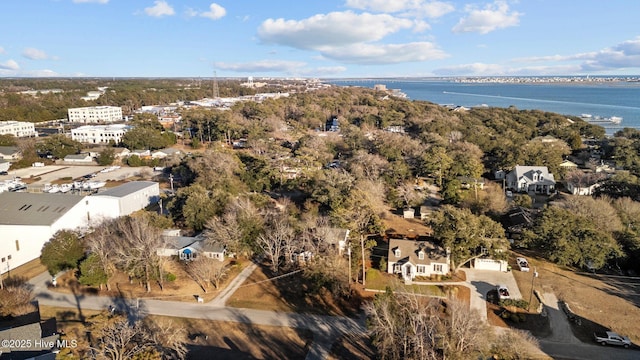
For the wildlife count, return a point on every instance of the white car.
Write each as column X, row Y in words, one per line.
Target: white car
column 523, row 264
column 503, row 292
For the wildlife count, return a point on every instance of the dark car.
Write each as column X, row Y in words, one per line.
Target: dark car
column 4, row 173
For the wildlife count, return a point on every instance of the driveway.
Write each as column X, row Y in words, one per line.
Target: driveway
column 482, row 281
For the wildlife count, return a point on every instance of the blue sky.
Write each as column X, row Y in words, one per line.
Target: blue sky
column 318, row 38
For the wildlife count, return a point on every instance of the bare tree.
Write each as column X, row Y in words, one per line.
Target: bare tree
column 119, row 340
column 100, row 243
column 137, row 244
column 408, row 326
column 274, row 241
column 15, row 299
column 206, row 271
column 168, row 339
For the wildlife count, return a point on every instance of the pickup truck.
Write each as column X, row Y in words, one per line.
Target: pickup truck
column 611, row 338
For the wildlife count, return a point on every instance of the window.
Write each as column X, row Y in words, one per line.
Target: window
column 421, row 269
column 17, row 245
column 397, row 252
column 397, row 268
column 437, row 268
column 3, row 259
column 9, row 257
column 421, row 255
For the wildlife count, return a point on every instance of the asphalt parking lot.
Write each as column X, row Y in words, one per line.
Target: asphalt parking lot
column 51, row 173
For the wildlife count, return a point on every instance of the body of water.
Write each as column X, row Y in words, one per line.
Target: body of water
column 605, row 99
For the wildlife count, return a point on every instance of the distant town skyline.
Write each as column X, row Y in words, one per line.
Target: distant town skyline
column 331, row 38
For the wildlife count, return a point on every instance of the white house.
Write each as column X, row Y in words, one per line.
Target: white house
column 123, row 200
column 95, row 114
column 164, row 153
column 78, row 159
column 10, row 153
column 100, row 134
column 28, row 220
column 411, row 258
column 18, row 128
column 576, row 188
column 536, row 179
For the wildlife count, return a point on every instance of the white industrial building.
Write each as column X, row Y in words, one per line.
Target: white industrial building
column 18, row 128
column 29, row 220
column 123, row 200
column 100, row 134
column 95, row 114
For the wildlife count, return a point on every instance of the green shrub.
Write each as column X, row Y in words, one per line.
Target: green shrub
column 170, row 277
column 522, row 304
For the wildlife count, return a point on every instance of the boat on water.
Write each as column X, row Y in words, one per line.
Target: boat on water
column 601, row 119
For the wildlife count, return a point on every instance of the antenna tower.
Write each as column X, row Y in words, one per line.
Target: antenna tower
column 215, row 90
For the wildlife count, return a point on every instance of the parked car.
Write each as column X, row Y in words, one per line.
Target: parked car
column 503, row 292
column 523, row 264
column 611, row 338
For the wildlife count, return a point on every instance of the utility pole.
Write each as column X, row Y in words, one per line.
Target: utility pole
column 533, row 277
column 364, row 270
column 215, row 91
column 348, row 253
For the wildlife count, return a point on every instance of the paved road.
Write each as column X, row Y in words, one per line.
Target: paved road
column 326, row 329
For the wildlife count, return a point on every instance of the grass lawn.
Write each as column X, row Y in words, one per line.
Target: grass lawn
column 182, row 289
column 290, row 294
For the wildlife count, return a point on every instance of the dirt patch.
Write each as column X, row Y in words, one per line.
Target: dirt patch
column 290, row 294
column 399, row 227
column 206, row 339
column 230, row 340
column 27, row 271
column 353, row 346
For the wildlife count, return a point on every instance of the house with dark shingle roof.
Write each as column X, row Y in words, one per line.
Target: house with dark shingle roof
column 410, row 258
column 36, row 339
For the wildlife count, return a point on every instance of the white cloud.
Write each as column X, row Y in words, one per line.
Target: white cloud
column 415, row 8
column 324, row 71
column 159, row 9
column 215, row 12
column 493, row 17
column 91, row 1
column 625, row 55
column 330, row 30
column 386, row 53
column 9, row 65
column 35, row 54
column 262, row 66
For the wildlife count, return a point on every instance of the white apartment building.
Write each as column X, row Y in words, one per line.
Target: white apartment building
column 95, row 114
column 18, row 128
column 99, row 134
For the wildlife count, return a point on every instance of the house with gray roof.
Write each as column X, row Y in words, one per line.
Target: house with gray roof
column 10, row 153
column 189, row 247
column 531, row 179
column 37, row 339
column 410, row 258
